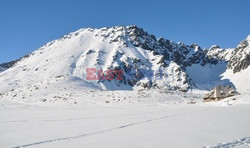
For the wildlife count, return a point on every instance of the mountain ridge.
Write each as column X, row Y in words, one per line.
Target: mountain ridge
column 132, row 50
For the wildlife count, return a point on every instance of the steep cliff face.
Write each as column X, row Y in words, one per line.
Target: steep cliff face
column 240, row 59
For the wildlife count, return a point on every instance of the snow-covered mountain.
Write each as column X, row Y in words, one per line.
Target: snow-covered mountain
column 143, row 60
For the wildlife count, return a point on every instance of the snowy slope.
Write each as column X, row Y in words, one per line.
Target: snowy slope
column 70, row 56
column 208, row 76
column 238, row 67
column 240, row 79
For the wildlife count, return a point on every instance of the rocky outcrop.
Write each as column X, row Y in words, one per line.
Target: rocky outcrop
column 240, row 60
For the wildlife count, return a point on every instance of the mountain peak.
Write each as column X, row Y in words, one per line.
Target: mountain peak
column 244, row 43
column 248, row 38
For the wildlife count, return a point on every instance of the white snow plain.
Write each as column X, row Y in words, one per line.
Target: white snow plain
column 105, row 119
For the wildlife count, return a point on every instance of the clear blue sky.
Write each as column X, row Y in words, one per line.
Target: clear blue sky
column 25, row 25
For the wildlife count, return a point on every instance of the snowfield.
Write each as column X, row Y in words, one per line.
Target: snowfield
column 105, row 119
